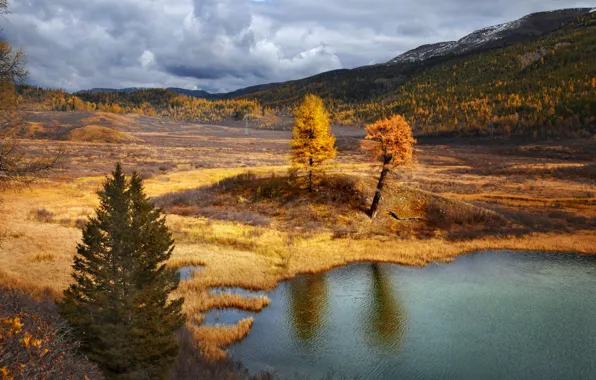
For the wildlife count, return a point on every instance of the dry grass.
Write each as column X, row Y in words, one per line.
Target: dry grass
column 112, row 120
column 212, row 340
column 280, row 204
column 32, row 129
column 254, row 231
column 199, row 300
column 41, row 257
column 238, row 254
column 98, row 134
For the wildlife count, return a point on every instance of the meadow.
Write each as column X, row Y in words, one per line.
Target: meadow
column 237, row 215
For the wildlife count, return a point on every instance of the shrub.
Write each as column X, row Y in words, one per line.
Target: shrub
column 35, row 343
column 41, row 257
column 43, row 215
column 80, row 223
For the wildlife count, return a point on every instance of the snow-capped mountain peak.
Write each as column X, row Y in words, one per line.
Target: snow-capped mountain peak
column 530, row 26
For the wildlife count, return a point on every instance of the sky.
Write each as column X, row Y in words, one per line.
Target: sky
column 223, row 45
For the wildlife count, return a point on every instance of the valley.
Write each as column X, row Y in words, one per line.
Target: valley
column 427, row 216
column 472, row 194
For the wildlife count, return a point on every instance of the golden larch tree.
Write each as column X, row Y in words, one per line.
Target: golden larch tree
column 389, row 141
column 312, row 141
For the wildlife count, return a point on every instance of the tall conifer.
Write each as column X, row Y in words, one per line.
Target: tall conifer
column 119, row 301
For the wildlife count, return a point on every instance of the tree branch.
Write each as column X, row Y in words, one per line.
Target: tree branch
column 394, row 215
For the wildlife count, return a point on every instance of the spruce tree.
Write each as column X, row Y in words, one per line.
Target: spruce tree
column 118, row 304
column 312, row 141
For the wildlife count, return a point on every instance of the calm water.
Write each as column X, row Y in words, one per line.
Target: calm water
column 486, row 316
column 186, row 273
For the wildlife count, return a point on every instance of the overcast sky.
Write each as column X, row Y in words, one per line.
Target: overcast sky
column 222, row 45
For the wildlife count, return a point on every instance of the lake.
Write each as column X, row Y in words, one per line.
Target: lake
column 488, row 315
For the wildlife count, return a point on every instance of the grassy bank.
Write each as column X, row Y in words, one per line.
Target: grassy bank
column 254, row 230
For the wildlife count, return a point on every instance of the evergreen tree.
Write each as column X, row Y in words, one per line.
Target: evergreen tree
column 389, row 141
column 312, row 141
column 118, row 304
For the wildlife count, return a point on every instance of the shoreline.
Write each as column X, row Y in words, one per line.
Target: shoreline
column 197, row 290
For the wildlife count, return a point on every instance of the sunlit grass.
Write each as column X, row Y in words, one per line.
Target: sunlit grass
column 212, row 340
column 40, row 228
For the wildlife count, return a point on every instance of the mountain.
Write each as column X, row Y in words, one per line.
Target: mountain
column 368, row 82
column 181, row 91
column 129, row 89
column 526, row 28
column 534, row 76
column 503, row 80
column 193, row 93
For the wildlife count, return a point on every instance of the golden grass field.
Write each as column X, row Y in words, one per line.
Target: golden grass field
column 494, row 195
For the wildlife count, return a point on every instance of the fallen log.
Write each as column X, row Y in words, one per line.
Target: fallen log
column 394, row 215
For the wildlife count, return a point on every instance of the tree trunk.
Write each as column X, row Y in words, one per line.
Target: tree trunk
column 310, row 164
column 372, row 212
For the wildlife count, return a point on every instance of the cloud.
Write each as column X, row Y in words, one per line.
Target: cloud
column 222, row 45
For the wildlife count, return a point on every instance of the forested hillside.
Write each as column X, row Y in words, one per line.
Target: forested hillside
column 150, row 102
column 545, row 87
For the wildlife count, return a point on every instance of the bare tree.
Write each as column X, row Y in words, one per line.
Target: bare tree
column 14, row 164
column 3, row 7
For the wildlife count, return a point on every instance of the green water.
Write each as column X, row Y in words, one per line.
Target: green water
column 489, row 315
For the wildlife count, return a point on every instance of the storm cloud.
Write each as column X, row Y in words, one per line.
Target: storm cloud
column 222, row 45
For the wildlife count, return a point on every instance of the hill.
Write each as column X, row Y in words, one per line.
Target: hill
column 149, row 102
column 367, row 82
column 540, row 87
column 181, row 91
column 535, row 76
column 525, row 29
column 100, row 127
column 193, row 93
column 99, row 134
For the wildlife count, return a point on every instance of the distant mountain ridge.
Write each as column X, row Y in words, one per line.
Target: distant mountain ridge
column 541, row 87
column 194, row 93
column 181, row 91
column 526, row 28
column 367, row 82
column 129, row 89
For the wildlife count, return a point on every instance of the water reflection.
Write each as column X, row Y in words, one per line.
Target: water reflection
column 385, row 318
column 307, row 304
column 489, row 316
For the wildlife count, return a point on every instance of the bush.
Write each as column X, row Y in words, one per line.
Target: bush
column 35, row 343
column 43, row 215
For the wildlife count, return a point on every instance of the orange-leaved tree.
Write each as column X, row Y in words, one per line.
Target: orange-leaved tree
column 389, row 141
column 312, row 141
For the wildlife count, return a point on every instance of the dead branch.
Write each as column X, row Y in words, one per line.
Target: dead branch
column 394, row 215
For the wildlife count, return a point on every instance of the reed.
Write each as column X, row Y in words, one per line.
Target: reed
column 213, row 339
